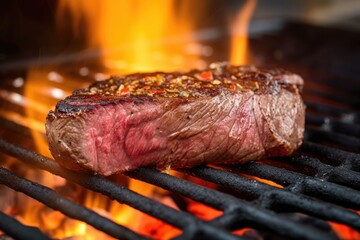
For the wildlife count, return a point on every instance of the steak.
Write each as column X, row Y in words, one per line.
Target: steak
column 225, row 114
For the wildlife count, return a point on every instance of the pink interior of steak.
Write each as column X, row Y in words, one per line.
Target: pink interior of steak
column 224, row 129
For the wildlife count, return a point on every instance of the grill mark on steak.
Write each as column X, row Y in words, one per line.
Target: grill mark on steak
column 240, row 114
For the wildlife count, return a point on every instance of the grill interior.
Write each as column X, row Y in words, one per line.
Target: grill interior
column 321, row 181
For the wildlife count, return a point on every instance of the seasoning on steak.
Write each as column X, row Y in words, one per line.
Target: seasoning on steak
column 224, row 114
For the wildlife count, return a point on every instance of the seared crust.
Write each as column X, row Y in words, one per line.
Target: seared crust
column 196, row 84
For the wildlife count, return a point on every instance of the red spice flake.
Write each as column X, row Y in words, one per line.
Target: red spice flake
column 146, row 87
column 205, row 76
column 232, row 86
column 125, row 91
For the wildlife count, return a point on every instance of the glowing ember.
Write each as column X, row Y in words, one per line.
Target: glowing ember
column 202, row 211
column 268, row 182
column 345, row 232
column 155, row 228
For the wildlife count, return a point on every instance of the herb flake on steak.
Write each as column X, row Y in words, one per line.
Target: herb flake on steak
column 224, row 114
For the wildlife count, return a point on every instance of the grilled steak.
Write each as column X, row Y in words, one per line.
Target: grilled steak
column 225, row 114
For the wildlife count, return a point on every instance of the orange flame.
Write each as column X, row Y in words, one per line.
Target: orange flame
column 136, row 35
column 239, row 40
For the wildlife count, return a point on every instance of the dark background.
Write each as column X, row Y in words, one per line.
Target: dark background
column 28, row 28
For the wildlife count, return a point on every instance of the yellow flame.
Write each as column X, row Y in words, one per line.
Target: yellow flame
column 239, row 40
column 136, row 35
column 41, row 97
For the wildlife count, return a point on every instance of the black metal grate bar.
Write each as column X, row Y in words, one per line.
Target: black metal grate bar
column 300, row 183
column 348, row 159
column 278, row 199
column 69, row 208
column 15, row 229
column 174, row 217
column 339, row 174
column 342, row 141
column 227, row 203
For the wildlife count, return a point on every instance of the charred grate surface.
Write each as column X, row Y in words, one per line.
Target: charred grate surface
column 279, row 200
column 69, row 208
column 317, row 186
column 176, row 218
column 236, row 211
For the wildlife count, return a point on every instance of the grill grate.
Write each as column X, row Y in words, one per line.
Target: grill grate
column 236, row 211
column 321, row 182
column 71, row 209
column 17, row 230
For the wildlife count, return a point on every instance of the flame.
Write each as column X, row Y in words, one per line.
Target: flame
column 38, row 107
column 203, row 211
column 239, row 40
column 136, row 35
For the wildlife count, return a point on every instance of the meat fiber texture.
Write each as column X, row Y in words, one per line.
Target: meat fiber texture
column 221, row 115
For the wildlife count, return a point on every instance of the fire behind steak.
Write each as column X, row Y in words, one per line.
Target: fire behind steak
column 225, row 114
